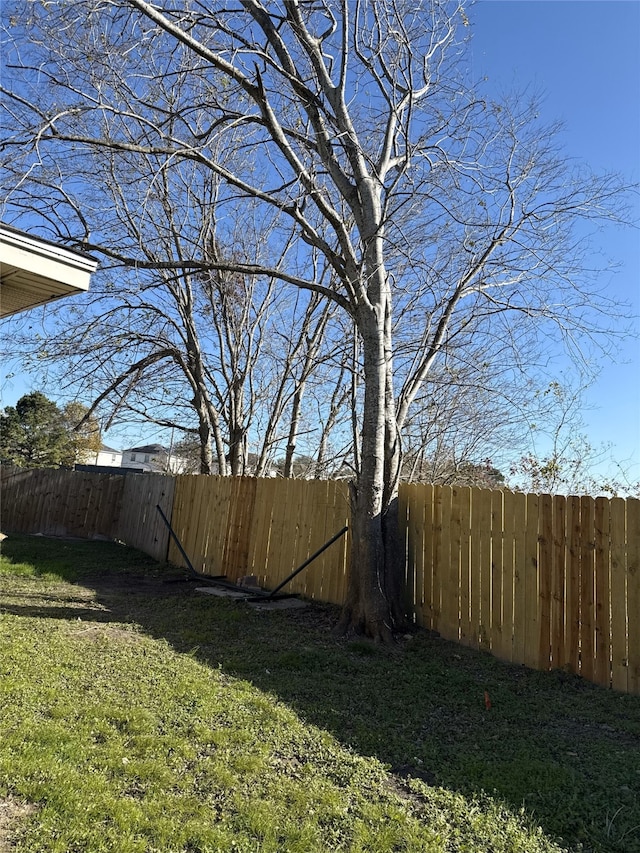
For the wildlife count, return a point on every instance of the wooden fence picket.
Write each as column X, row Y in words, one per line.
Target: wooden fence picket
column 520, row 560
column 484, row 569
column 633, row 594
column 602, row 624
column 416, row 516
column 451, row 602
column 618, row 581
column 464, row 506
column 425, row 537
column 531, row 571
column 436, row 560
column 545, row 580
column 558, row 582
column 449, row 580
column 586, row 588
column 259, row 533
column 573, row 586
column 475, row 573
column 498, row 643
column 508, row 573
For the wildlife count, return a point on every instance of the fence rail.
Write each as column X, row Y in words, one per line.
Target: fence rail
column 547, row 581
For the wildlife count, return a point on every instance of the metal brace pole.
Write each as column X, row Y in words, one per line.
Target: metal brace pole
column 177, row 541
column 307, row 561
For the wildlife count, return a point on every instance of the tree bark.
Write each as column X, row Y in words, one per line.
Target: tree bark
column 370, row 607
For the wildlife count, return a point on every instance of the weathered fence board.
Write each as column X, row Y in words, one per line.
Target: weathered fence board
column 633, row 594
column 61, row 503
column 618, row 534
column 463, row 500
column 497, row 576
column 602, row 673
column 508, row 571
column 140, row 524
column 483, row 572
column 545, row 575
column 519, row 566
column 558, row 576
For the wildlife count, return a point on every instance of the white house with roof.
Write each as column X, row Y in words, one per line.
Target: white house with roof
column 107, row 456
column 153, row 457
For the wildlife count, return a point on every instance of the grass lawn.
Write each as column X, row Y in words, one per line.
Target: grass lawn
column 139, row 715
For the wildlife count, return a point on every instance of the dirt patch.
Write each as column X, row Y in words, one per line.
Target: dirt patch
column 100, row 632
column 155, row 586
column 12, row 814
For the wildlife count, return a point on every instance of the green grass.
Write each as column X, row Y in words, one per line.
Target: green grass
column 138, row 715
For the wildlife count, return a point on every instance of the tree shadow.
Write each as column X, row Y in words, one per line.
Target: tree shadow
column 564, row 750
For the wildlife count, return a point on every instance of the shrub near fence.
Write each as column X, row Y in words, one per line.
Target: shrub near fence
column 543, row 580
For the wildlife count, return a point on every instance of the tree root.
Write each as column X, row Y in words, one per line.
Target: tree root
column 351, row 624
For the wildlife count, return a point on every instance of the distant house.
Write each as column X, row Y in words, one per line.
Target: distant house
column 105, row 461
column 153, row 457
column 107, row 456
column 252, row 463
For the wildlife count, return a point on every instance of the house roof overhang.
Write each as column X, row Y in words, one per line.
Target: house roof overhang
column 34, row 271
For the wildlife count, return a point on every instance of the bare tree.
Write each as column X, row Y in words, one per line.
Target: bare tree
column 441, row 216
column 561, row 459
column 163, row 343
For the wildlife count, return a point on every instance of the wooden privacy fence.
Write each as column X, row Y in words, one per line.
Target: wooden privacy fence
column 58, row 502
column 240, row 526
column 542, row 580
column 548, row 581
column 91, row 506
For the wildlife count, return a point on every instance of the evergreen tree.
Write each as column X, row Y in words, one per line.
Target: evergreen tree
column 37, row 434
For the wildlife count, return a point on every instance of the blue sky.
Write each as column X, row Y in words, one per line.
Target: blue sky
column 584, row 55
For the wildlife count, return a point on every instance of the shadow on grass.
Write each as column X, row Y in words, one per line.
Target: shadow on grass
column 566, row 751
